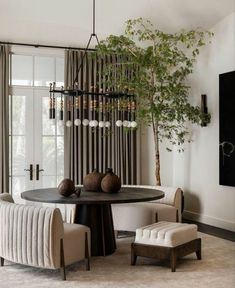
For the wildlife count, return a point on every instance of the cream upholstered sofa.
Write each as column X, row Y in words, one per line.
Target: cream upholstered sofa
column 36, row 236
column 129, row 217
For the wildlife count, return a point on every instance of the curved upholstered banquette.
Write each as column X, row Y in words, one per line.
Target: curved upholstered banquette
column 129, row 217
column 36, row 236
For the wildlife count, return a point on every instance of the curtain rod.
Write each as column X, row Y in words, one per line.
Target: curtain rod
column 44, row 46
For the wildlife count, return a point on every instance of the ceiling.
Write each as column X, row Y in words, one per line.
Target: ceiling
column 69, row 22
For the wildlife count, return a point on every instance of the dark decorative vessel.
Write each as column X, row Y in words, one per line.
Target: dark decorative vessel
column 111, row 183
column 66, row 187
column 92, row 181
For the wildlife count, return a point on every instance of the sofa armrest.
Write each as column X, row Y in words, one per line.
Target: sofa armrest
column 173, row 196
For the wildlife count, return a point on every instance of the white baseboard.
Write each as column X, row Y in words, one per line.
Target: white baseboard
column 217, row 222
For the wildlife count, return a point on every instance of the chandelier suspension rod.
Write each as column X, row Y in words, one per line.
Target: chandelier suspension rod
column 94, row 18
column 93, row 34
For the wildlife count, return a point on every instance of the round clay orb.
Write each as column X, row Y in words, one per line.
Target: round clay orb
column 92, row 181
column 66, row 187
column 111, row 183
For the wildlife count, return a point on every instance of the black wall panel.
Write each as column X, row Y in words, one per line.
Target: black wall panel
column 227, row 128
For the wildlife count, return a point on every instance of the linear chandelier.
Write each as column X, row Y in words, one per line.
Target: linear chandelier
column 98, row 102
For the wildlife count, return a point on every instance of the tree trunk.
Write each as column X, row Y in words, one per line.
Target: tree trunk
column 157, row 153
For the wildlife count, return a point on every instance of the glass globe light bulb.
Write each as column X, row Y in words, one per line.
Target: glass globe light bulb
column 77, row 122
column 91, row 123
column 85, row 122
column 101, row 124
column 95, row 123
column 119, row 123
column 69, row 123
column 107, row 124
column 133, row 124
column 125, row 123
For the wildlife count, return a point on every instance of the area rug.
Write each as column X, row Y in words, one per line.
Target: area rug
column 216, row 269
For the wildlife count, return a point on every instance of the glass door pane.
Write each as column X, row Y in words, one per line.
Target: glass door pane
column 59, row 72
column 44, row 71
column 49, row 148
column 22, row 70
column 21, row 139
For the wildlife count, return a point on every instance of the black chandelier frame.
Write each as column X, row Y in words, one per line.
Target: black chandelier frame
column 75, row 93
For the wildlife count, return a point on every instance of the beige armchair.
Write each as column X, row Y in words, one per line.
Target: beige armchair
column 129, row 217
column 36, row 236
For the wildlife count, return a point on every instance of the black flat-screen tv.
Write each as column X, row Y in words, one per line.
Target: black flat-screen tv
column 227, row 128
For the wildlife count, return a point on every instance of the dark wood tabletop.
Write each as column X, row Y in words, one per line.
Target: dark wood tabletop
column 125, row 195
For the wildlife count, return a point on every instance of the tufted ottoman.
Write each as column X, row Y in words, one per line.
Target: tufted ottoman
column 166, row 240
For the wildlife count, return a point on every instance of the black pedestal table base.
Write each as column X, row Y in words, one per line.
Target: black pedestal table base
column 99, row 219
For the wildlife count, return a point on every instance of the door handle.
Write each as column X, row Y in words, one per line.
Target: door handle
column 37, row 171
column 30, row 172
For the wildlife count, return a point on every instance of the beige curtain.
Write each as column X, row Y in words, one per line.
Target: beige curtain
column 4, row 118
column 87, row 148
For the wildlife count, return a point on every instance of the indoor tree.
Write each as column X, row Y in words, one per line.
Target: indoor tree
column 159, row 64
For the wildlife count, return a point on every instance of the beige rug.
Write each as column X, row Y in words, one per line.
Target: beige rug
column 216, row 269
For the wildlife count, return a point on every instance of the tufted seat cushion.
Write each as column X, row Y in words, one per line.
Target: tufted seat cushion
column 167, row 234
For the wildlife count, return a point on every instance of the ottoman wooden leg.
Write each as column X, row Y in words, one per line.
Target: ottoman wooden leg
column 198, row 251
column 133, row 255
column 199, row 254
column 1, row 261
column 173, row 260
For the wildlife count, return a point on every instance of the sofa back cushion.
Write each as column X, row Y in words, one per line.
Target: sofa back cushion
column 173, row 196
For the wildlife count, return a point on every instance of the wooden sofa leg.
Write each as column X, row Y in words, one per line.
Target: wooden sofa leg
column 133, row 255
column 62, row 263
column 173, row 260
column 62, row 273
column 1, row 261
column 87, row 256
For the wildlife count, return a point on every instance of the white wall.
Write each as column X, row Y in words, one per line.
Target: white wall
column 206, row 200
column 197, row 170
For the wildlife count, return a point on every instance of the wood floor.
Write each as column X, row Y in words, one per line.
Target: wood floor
column 215, row 231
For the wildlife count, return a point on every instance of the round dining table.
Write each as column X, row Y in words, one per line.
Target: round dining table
column 93, row 209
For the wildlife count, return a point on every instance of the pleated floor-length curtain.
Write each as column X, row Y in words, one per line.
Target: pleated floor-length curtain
column 4, row 118
column 88, row 148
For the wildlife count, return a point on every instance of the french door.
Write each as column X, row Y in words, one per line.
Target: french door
column 36, row 144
